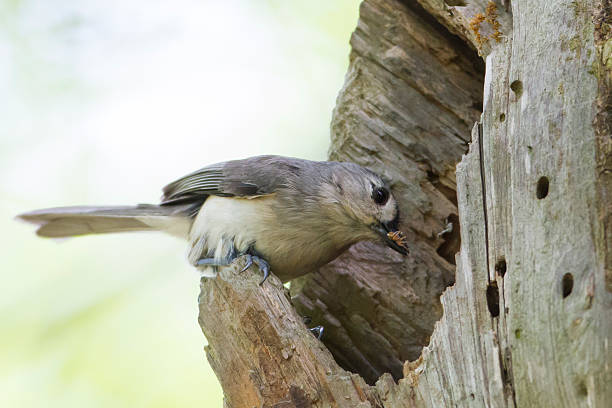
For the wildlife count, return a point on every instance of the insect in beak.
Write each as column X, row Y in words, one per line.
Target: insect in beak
column 394, row 238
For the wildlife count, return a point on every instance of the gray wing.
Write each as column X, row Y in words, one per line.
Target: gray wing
column 250, row 177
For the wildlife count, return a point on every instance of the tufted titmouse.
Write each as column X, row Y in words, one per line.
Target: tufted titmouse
column 284, row 214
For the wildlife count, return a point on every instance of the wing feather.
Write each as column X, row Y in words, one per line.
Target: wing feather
column 255, row 176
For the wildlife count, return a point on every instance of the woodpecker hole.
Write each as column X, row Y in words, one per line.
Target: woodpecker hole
column 567, row 284
column 542, row 188
column 517, row 333
column 500, row 267
column 582, row 389
column 493, row 299
column 502, row 117
column 517, row 88
column 460, row 3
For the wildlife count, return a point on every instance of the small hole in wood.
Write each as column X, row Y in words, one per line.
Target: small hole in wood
column 542, row 188
column 517, row 333
column 582, row 389
column 452, row 239
column 500, row 267
column 502, row 117
column 493, row 299
column 567, row 284
column 455, row 2
column 517, row 88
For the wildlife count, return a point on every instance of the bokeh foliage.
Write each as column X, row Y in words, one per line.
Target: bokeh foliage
column 103, row 103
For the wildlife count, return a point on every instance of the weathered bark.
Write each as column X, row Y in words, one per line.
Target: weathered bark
column 526, row 322
column 411, row 96
column 261, row 351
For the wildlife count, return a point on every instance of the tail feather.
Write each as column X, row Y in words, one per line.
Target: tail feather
column 73, row 221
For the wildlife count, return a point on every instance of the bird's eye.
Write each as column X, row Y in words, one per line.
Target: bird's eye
column 380, row 195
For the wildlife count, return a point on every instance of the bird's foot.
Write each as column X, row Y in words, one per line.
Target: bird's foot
column 317, row 331
column 261, row 263
column 211, row 262
column 209, row 267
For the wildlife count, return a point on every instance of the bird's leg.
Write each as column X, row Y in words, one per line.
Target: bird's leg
column 253, row 257
column 205, row 264
column 211, row 261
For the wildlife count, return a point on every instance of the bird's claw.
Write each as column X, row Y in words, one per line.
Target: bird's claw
column 249, row 262
column 264, row 266
column 317, row 331
column 261, row 263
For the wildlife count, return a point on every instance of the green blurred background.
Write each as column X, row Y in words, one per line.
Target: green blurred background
column 104, row 102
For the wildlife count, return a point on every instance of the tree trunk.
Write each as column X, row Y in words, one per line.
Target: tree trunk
column 526, row 322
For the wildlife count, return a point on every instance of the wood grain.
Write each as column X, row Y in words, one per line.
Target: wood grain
column 527, row 320
column 411, row 96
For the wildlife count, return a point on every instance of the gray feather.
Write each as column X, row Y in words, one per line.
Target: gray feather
column 300, row 214
column 255, row 176
column 72, row 221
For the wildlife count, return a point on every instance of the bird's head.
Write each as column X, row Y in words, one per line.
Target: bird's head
column 363, row 203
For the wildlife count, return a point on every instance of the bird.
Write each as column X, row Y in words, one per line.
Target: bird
column 287, row 215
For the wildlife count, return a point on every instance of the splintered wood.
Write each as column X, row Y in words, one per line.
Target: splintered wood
column 527, row 321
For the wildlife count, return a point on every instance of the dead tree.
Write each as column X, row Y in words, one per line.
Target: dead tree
column 526, row 319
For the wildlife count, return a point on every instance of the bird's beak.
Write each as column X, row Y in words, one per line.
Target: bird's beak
column 393, row 237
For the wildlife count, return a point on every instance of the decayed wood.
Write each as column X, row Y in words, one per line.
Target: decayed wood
column 461, row 365
column 602, row 125
column 411, row 95
column 527, row 321
column 262, row 352
column 539, row 152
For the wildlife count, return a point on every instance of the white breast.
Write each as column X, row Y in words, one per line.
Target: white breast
column 223, row 222
column 291, row 245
